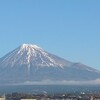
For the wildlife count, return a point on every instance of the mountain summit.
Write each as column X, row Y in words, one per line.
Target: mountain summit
column 28, row 54
column 31, row 63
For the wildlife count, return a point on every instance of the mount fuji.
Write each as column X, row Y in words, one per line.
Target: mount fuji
column 31, row 63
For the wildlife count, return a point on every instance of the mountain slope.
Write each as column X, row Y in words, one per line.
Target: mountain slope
column 32, row 63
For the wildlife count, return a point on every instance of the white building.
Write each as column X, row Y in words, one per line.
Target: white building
column 28, row 99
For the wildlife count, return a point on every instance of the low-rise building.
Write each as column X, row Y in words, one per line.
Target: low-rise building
column 28, row 99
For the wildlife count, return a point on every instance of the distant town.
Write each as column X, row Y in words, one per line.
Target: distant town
column 66, row 96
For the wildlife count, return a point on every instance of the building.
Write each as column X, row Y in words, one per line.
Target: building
column 28, row 99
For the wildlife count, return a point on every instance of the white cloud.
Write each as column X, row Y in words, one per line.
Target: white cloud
column 63, row 82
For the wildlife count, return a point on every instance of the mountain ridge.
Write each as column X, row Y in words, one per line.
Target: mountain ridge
column 32, row 63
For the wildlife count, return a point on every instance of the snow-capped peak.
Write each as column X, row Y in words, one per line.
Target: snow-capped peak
column 30, row 55
column 25, row 46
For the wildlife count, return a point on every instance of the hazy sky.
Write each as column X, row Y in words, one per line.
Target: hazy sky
column 67, row 28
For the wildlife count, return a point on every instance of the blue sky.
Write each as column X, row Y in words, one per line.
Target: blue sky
column 67, row 28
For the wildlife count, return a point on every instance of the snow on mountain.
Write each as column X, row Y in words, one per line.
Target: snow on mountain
column 31, row 63
column 26, row 54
